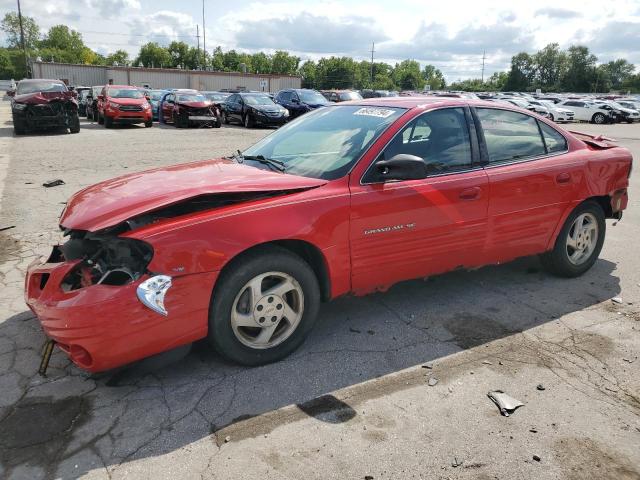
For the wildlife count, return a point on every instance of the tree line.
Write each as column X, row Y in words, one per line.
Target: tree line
column 550, row 69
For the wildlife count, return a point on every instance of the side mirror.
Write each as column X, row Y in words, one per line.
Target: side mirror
column 295, row 100
column 402, row 167
column 11, row 93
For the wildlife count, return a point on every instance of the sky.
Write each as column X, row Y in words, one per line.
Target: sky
column 451, row 36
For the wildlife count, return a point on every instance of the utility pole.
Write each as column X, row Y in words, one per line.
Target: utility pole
column 373, row 49
column 483, row 57
column 204, row 39
column 24, row 48
column 198, row 37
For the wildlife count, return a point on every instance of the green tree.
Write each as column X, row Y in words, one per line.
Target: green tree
column 231, row 60
column 178, row 51
column 217, row 60
column 260, row 63
column 119, row 57
column 283, row 63
column 308, row 72
column 522, row 72
column 6, row 66
column 335, row 72
column 407, row 75
column 581, row 68
column 497, row 81
column 551, row 64
column 153, row 55
column 433, row 77
column 11, row 27
column 632, row 84
column 60, row 37
column 618, row 71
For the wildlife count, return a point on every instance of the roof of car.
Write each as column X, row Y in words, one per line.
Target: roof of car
column 122, row 86
column 35, row 80
column 425, row 102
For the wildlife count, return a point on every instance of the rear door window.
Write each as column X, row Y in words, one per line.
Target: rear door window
column 554, row 141
column 510, row 135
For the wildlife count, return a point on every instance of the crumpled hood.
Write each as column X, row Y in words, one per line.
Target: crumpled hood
column 112, row 202
column 39, row 98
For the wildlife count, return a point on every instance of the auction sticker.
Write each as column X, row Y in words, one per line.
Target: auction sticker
column 374, row 112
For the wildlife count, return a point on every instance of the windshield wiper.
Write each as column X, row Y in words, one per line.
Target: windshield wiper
column 270, row 162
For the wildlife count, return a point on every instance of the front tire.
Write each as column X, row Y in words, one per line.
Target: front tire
column 598, row 118
column 74, row 124
column 579, row 242
column 248, row 121
column 225, row 118
column 264, row 306
column 100, row 119
column 108, row 122
column 148, row 124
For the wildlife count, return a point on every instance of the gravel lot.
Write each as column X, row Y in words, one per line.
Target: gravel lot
column 354, row 402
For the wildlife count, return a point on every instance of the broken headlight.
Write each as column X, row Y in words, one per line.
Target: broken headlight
column 106, row 260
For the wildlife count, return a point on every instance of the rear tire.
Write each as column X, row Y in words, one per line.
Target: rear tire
column 576, row 237
column 100, row 119
column 148, row 124
column 270, row 292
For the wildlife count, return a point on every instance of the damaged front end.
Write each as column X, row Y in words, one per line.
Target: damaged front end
column 46, row 111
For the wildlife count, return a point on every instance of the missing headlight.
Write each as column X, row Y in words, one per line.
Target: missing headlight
column 106, row 260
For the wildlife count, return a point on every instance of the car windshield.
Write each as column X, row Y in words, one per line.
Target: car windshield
column 309, row 96
column 155, row 95
column 192, row 97
column 32, row 87
column 124, row 93
column 327, row 142
column 215, row 96
column 257, row 100
column 350, row 96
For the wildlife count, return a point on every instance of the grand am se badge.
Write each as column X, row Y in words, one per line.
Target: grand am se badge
column 389, row 229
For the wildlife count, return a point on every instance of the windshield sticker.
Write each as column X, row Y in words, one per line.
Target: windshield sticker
column 374, row 112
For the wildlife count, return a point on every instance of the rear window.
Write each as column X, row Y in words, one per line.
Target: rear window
column 552, row 138
column 510, row 135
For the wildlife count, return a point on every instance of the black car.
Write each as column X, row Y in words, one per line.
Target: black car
column 83, row 93
column 252, row 109
column 300, row 100
column 40, row 104
column 91, row 105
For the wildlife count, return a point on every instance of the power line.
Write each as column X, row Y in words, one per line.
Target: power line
column 373, row 49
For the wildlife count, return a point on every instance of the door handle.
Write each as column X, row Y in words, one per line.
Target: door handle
column 472, row 193
column 563, row 178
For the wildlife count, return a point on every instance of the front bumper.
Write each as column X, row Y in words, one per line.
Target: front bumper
column 102, row 327
column 267, row 120
column 119, row 116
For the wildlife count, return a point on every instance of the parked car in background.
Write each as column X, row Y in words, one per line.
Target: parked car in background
column 82, row 99
column 154, row 97
column 632, row 104
column 186, row 108
column 554, row 113
column 587, row 111
column 7, row 85
column 39, row 104
column 619, row 112
column 91, row 104
column 300, row 101
column 251, row 109
column 351, row 199
column 337, row 96
column 123, row 104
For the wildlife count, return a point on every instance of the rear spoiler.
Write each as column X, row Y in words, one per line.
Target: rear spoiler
column 599, row 141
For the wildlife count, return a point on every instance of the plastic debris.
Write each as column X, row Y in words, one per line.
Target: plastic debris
column 433, row 381
column 540, row 387
column 227, row 439
column 428, row 365
column 504, row 402
column 616, row 300
column 456, row 462
column 487, row 362
column 53, row 183
column 536, row 458
column 2, row 229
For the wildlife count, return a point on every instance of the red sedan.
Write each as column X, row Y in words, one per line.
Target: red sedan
column 350, row 198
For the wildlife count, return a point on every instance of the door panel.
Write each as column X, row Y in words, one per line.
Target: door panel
column 412, row 229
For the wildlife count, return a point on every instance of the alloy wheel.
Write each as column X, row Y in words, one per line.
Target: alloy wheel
column 267, row 310
column 582, row 238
